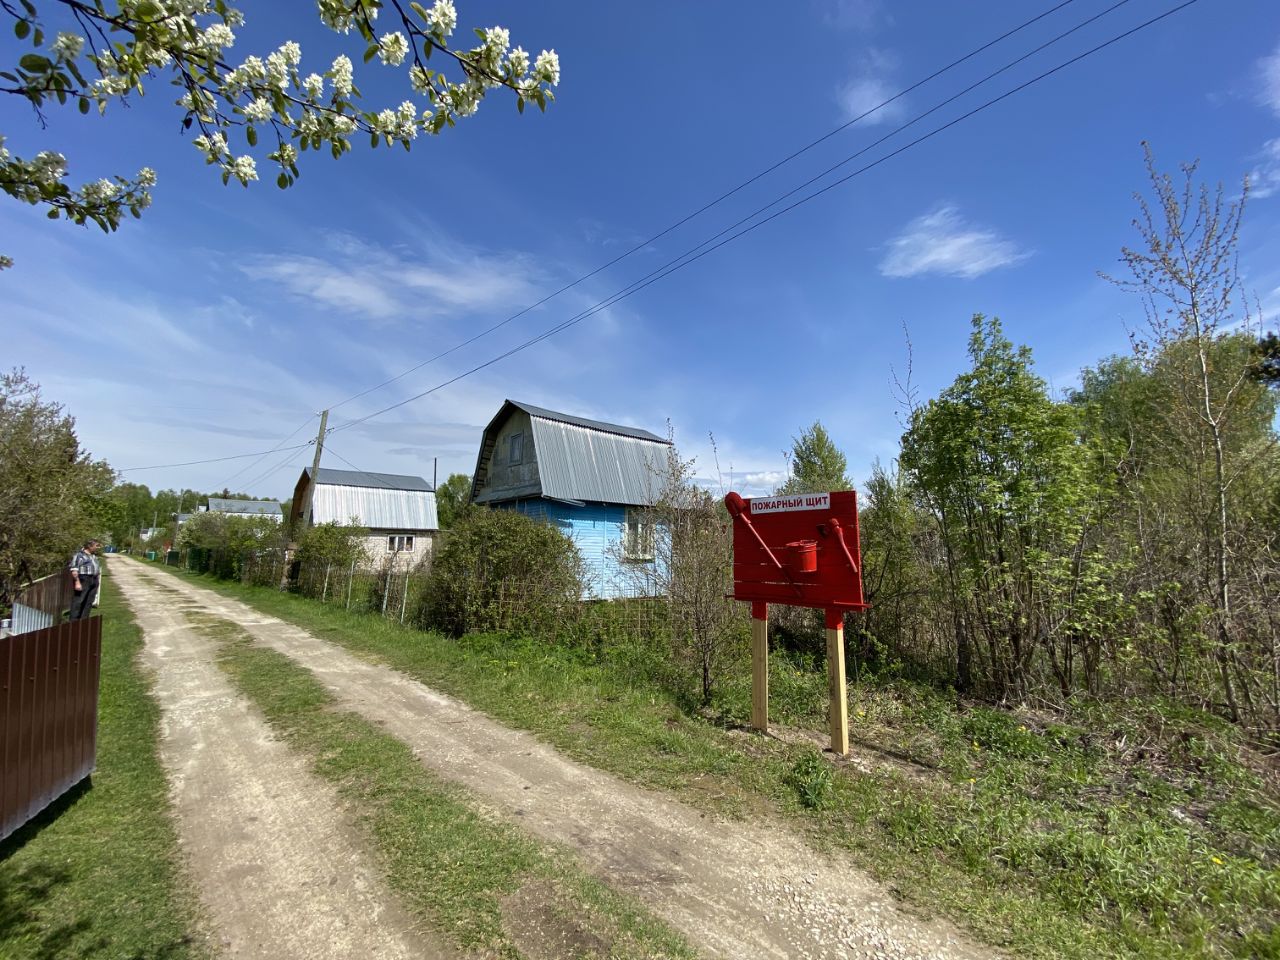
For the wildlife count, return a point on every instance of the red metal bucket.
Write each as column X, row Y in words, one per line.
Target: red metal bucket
column 802, row 556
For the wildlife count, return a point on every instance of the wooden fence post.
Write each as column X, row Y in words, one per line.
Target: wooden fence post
column 404, row 599
column 351, row 579
column 324, row 594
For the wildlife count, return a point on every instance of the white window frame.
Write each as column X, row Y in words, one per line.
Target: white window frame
column 400, row 543
column 638, row 540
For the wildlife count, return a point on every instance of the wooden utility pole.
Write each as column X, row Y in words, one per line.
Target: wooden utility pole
column 306, row 501
column 315, row 467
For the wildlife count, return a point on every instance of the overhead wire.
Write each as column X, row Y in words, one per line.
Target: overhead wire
column 243, row 470
column 707, row 206
column 698, row 252
column 194, row 463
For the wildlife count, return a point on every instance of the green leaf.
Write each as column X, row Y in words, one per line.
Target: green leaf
column 251, row 135
column 21, row 28
column 35, row 63
column 371, row 52
column 38, row 39
column 282, row 181
column 53, row 214
column 420, row 10
column 520, row 104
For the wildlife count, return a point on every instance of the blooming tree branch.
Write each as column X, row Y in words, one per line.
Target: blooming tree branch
column 114, row 49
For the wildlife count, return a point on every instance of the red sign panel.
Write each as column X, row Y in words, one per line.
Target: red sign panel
column 800, row 550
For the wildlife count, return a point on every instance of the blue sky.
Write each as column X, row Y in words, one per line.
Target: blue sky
column 227, row 316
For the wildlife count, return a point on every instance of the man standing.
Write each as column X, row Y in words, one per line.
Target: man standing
column 84, row 574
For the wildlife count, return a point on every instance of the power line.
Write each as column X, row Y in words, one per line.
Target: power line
column 289, row 458
column 226, row 483
column 724, row 196
column 193, row 463
column 697, row 253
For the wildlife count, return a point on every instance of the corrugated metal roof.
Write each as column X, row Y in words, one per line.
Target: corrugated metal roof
column 584, row 463
column 600, row 425
column 361, row 478
column 269, row 508
column 378, row 508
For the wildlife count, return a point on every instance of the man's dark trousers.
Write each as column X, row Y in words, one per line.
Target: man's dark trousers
column 82, row 603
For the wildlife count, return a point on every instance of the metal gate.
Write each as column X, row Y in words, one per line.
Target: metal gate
column 48, row 715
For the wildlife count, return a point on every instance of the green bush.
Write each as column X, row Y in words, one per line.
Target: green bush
column 331, row 544
column 498, row 570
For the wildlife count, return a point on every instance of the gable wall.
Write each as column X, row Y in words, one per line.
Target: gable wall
column 507, row 479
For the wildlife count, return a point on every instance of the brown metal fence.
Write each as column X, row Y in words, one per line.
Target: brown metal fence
column 48, row 716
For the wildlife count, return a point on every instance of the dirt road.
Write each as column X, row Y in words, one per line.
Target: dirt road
column 280, row 873
column 734, row 890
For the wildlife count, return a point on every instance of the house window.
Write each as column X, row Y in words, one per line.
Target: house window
column 399, row 543
column 517, row 448
column 637, row 535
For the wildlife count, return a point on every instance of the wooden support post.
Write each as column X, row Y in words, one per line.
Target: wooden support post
column 839, row 708
column 760, row 666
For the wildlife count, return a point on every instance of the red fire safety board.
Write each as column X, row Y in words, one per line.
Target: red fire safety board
column 799, row 550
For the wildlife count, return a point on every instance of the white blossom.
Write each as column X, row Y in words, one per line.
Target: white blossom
column 393, row 48
column 419, row 79
column 68, row 45
column 215, row 37
column 291, row 53
column 243, row 169
column 147, row 177
column 342, row 75
column 103, row 191
column 49, row 167
column 260, row 110
column 547, row 67
column 518, row 61
column 444, row 16
column 277, row 70
column 498, row 39
column 286, row 154
column 313, row 86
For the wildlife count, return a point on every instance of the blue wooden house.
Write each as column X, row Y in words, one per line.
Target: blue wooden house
column 591, row 479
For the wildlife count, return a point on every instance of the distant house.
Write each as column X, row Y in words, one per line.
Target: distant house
column 399, row 511
column 591, row 479
column 246, row 508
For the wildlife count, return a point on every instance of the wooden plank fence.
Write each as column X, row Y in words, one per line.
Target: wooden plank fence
column 48, row 716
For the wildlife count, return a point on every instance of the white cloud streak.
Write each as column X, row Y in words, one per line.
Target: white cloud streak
column 386, row 284
column 1269, row 77
column 869, row 86
column 942, row 242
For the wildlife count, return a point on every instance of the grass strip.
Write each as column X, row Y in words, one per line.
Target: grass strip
column 481, row 882
column 1038, row 835
column 98, row 874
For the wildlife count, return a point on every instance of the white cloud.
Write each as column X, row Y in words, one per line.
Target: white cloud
column 860, row 15
column 943, row 242
column 385, row 283
column 1264, row 179
column 869, row 86
column 1269, row 74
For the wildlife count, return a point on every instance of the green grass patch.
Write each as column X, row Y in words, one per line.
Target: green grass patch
column 476, row 880
column 1133, row 830
column 98, row 875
